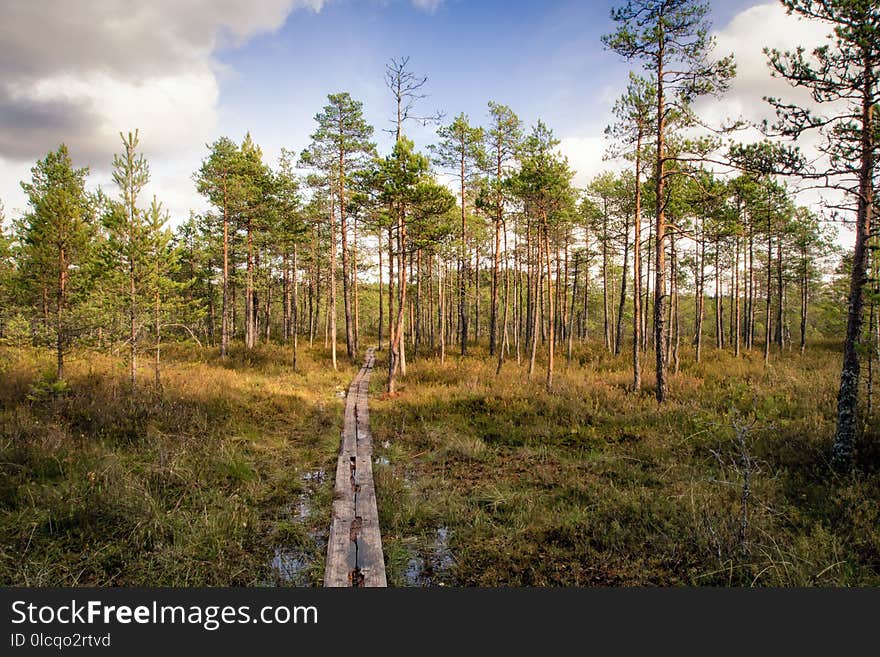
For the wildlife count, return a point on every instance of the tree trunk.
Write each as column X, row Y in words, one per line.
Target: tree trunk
column 550, row 307
column 605, row 310
column 381, row 303
column 701, row 293
column 662, row 389
column 224, row 319
column 157, row 318
column 618, row 339
column 805, row 279
column 331, row 310
column 737, row 323
column 395, row 353
column 637, row 271
column 719, row 310
column 59, row 315
column 295, row 310
column 767, row 328
column 848, row 394
column 463, row 265
column 346, row 281
column 354, row 288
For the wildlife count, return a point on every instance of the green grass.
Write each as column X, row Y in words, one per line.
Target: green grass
column 482, row 480
column 99, row 486
column 594, row 485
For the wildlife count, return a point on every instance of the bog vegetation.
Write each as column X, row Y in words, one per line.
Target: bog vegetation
column 665, row 377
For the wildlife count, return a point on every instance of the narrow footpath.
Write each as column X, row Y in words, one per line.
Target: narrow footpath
column 354, row 551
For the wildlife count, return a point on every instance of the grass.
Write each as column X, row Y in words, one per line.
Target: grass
column 184, row 487
column 594, row 485
column 480, row 480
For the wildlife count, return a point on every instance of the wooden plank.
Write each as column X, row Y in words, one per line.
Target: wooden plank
column 354, row 550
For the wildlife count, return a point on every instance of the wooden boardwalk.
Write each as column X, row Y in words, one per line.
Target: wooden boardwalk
column 354, row 551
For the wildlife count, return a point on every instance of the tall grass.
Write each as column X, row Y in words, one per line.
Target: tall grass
column 593, row 484
column 181, row 486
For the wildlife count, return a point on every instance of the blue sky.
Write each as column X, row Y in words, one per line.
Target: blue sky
column 187, row 73
column 543, row 59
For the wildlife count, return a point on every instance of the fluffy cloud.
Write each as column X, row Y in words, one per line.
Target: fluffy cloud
column 82, row 71
column 586, row 157
column 765, row 25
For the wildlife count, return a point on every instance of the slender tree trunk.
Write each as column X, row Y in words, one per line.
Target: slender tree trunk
column 701, row 292
column 750, row 313
column 285, row 294
column 618, row 340
column 331, row 310
column 780, row 289
column 574, row 297
column 719, row 310
column 674, row 306
column 637, row 271
column 268, row 307
column 60, row 307
column 767, row 328
column 295, row 309
column 346, row 261
column 504, row 342
column 737, row 323
column 605, row 310
column 551, row 310
column 250, row 310
column 417, row 324
column 132, row 317
column 534, row 319
column 381, row 303
column 496, row 266
column 397, row 345
column 390, row 286
column 441, row 306
column 805, row 279
column 157, row 318
column 662, row 389
column 354, row 288
column 462, row 276
column 224, row 319
column 477, row 293
column 848, row 394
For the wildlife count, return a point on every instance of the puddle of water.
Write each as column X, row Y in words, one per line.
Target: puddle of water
column 382, row 460
column 314, row 476
column 433, row 567
column 291, row 566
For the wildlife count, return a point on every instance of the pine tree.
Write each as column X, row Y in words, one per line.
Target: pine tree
column 633, row 111
column 672, row 38
column 841, row 76
column 220, row 181
column 56, row 239
column 343, row 139
column 461, row 150
column 127, row 242
column 544, row 184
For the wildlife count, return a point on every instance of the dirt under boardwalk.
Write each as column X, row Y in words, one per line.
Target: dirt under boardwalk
column 354, row 551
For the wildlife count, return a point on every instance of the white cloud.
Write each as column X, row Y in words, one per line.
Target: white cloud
column 747, row 34
column 82, row 72
column 429, row 6
column 586, row 156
